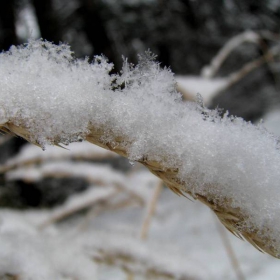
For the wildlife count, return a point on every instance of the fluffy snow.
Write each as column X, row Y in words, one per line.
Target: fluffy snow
column 56, row 97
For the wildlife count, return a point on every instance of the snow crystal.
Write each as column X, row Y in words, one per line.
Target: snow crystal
column 57, row 97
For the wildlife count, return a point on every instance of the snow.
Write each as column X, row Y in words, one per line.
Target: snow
column 190, row 248
column 26, row 23
column 272, row 120
column 206, row 87
column 57, row 98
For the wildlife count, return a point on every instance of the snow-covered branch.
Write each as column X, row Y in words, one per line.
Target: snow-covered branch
column 48, row 97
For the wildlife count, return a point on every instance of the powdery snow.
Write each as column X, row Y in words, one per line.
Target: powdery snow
column 57, row 97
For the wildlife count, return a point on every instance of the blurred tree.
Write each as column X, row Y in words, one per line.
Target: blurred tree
column 48, row 20
column 7, row 24
column 94, row 27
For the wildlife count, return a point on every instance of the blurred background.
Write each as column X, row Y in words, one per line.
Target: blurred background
column 228, row 51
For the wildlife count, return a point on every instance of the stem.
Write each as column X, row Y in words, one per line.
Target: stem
column 150, row 210
column 230, row 252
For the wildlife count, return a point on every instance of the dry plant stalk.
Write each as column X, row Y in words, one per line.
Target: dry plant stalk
column 61, row 214
column 230, row 252
column 211, row 70
column 151, row 208
column 249, row 67
column 231, row 218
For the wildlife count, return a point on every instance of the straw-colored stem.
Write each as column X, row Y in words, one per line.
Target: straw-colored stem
column 150, row 211
column 64, row 213
column 230, row 252
column 232, row 218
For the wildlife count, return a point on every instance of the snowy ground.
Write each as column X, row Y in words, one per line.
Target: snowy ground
column 184, row 239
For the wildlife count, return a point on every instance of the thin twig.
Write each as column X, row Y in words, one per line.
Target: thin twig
column 210, row 70
column 230, row 252
column 68, row 211
column 247, row 69
column 151, row 208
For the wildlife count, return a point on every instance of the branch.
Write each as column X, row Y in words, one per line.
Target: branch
column 224, row 162
column 210, row 71
column 248, row 68
column 79, row 203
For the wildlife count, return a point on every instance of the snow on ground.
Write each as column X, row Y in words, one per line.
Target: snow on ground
column 183, row 240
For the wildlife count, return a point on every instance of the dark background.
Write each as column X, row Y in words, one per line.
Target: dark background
column 184, row 34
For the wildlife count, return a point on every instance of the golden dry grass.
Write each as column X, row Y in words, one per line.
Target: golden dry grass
column 231, row 218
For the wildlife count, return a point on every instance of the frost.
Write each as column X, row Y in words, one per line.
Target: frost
column 42, row 86
column 57, row 97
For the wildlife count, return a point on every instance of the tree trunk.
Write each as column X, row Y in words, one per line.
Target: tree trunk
column 8, row 35
column 94, row 27
column 48, row 20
